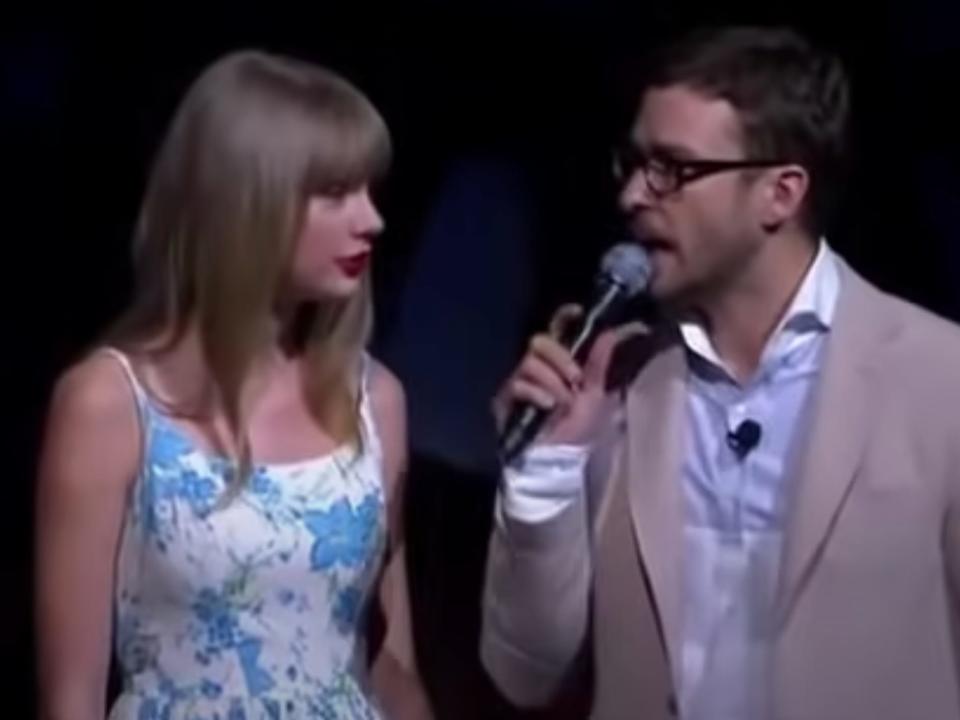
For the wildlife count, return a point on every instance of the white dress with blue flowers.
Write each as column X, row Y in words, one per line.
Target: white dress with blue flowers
column 252, row 610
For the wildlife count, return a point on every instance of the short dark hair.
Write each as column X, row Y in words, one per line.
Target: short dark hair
column 793, row 99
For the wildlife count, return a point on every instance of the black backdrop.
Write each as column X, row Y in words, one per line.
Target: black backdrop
column 532, row 88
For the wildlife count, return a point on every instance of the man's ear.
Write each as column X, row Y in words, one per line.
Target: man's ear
column 786, row 190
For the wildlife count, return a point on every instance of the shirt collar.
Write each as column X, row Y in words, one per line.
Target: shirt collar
column 811, row 311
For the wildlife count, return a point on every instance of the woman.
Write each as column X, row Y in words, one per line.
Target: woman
column 220, row 481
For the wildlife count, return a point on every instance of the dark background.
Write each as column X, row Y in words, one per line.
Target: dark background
column 497, row 208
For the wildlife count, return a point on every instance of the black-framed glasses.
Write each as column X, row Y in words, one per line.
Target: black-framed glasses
column 665, row 175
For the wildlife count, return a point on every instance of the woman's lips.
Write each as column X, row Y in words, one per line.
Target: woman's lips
column 354, row 265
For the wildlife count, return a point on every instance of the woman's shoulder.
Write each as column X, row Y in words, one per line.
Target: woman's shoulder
column 98, row 387
column 389, row 409
column 385, row 389
column 92, row 417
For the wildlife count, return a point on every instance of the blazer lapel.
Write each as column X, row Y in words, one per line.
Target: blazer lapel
column 838, row 430
column 655, row 423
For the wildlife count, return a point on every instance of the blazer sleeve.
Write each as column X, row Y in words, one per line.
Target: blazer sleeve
column 535, row 605
column 951, row 540
column 537, row 594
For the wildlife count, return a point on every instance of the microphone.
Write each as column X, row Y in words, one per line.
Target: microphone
column 745, row 438
column 624, row 272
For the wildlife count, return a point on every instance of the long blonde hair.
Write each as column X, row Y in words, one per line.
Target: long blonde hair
column 254, row 138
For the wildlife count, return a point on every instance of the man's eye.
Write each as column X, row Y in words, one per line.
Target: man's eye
column 663, row 165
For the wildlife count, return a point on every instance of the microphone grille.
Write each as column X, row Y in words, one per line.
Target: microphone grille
column 628, row 265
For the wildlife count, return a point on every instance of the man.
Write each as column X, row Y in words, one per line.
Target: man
column 761, row 521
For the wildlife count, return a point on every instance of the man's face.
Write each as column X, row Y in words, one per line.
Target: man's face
column 700, row 228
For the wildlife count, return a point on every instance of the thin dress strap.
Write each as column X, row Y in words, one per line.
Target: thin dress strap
column 369, row 422
column 139, row 394
column 128, row 558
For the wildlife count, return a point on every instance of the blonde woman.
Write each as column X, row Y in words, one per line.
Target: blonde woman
column 220, row 480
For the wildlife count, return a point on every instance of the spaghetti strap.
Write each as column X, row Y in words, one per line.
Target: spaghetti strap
column 367, row 416
column 139, row 395
column 124, row 362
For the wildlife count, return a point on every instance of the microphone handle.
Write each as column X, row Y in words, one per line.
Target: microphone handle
column 579, row 345
column 523, row 423
column 525, row 419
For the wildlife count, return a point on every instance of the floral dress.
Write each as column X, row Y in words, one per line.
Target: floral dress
column 250, row 609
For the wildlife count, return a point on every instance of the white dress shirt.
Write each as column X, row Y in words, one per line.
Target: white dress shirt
column 734, row 508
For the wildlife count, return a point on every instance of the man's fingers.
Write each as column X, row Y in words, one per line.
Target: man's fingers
column 546, row 350
column 538, row 372
column 602, row 352
column 562, row 318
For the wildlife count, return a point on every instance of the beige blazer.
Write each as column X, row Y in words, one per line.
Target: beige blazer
column 866, row 606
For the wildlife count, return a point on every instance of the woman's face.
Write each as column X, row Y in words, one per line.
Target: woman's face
column 333, row 250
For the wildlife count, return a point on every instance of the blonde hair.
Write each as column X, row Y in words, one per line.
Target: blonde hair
column 254, row 138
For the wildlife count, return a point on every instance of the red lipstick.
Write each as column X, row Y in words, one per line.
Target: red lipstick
column 354, row 265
